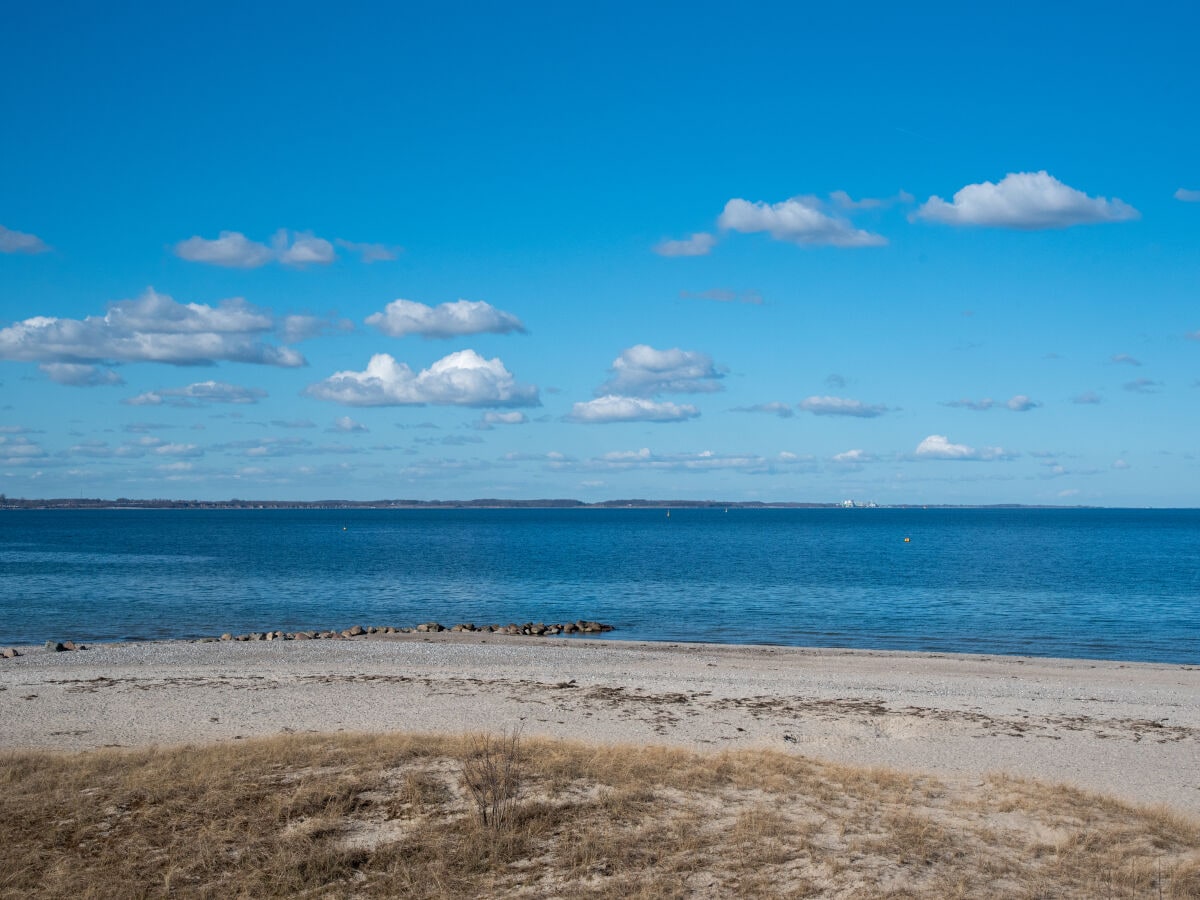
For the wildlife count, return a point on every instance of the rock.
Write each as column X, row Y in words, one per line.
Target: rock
column 389, row 629
column 55, row 646
column 270, row 636
column 569, row 628
column 69, row 645
column 354, row 631
column 301, row 636
column 227, row 636
column 10, row 653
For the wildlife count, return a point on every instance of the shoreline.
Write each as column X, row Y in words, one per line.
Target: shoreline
column 1127, row 729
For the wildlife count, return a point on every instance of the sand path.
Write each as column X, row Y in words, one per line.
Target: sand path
column 1127, row 729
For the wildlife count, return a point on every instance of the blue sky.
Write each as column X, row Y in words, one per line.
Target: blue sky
column 932, row 254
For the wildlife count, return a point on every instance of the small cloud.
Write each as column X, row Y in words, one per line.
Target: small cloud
column 1028, row 201
column 783, row 410
column 844, row 200
column 613, row 408
column 834, row 380
column 699, row 244
column 1142, row 386
column 80, row 374
column 201, row 393
column 978, row 405
column 231, row 249
column 1124, row 359
column 798, row 220
column 295, row 328
column 346, row 425
column 293, row 423
column 491, row 419
column 643, row 371
column 1120, row 464
column 20, row 242
column 841, row 406
column 1087, row 397
column 302, row 249
column 721, row 295
column 1021, row 403
column 853, row 457
column 936, row 446
column 1187, row 196
column 462, row 317
column 371, row 253
column 461, row 379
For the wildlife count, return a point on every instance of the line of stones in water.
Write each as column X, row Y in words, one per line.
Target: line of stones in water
column 529, row 629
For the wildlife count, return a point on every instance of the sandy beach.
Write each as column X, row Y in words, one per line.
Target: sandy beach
column 1130, row 730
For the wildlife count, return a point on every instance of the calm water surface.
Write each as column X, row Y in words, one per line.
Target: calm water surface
column 1115, row 584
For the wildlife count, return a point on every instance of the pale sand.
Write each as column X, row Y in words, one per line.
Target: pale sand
column 1131, row 730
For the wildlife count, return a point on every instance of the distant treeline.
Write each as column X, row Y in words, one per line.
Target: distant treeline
column 484, row 503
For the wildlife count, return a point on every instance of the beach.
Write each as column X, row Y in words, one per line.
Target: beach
column 1129, row 730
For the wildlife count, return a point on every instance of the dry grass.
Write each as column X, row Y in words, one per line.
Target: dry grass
column 324, row 816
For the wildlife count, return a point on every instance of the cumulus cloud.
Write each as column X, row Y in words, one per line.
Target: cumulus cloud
column 841, row 406
column 853, row 457
column 201, row 393
column 371, row 253
column 614, row 408
column 234, row 250
column 20, row 242
column 1187, row 196
column 1142, row 386
column 783, row 410
column 699, row 244
column 346, row 425
column 461, row 379
column 643, row 371
column 152, row 328
column 80, row 374
column 936, row 446
column 462, row 317
column 16, row 451
column 1029, row 201
column 1021, row 403
column 723, row 295
column 799, row 220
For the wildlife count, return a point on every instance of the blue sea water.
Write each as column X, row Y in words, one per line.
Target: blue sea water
column 1106, row 584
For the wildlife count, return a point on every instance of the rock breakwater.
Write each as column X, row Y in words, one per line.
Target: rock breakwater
column 529, row 629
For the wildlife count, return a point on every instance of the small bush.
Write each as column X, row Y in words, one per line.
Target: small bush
column 492, row 770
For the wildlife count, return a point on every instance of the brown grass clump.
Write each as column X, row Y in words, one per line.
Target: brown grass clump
column 400, row 815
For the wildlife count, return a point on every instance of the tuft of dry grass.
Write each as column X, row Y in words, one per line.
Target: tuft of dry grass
column 397, row 815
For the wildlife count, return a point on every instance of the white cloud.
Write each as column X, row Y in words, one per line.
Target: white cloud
column 20, row 242
column 234, row 250
column 841, row 406
column 978, row 405
column 1124, row 359
column 371, row 253
column 699, row 244
column 613, row 408
column 936, row 446
column 152, row 328
column 461, row 379
column 1024, row 200
column 80, row 374
column 230, row 248
column 1120, row 464
column 178, row 450
column 304, row 248
column 644, row 371
column 462, row 317
column 294, row 328
column 1016, row 403
column 346, row 425
column 201, row 393
column 783, row 410
column 1187, row 196
column 853, row 457
column 15, row 451
column 800, row 220
column 844, row 200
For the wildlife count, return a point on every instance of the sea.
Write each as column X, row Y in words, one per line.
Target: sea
column 1085, row 583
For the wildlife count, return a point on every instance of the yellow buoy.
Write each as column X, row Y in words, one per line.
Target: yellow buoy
column 908, row 540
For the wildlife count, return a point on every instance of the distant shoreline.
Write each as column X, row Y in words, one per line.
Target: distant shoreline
column 491, row 503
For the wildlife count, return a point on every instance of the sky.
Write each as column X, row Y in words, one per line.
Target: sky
column 918, row 253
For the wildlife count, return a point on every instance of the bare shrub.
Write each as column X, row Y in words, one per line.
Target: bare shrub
column 492, row 770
